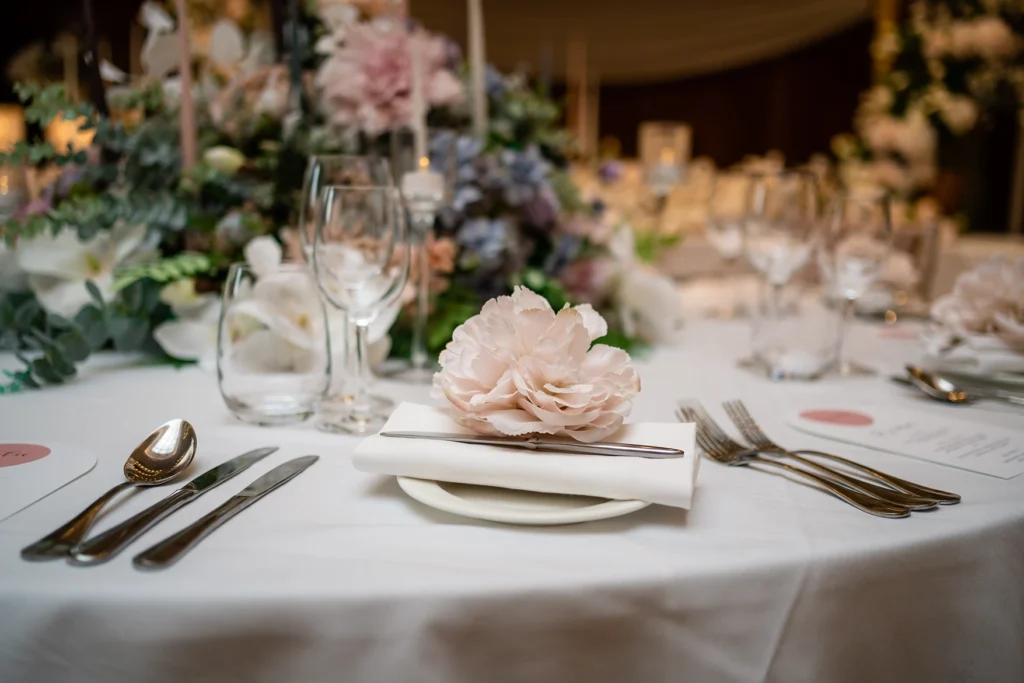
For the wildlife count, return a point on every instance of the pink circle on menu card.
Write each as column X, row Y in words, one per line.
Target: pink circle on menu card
column 20, row 453
column 845, row 418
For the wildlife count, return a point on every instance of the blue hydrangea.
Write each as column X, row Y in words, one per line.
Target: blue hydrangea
column 485, row 238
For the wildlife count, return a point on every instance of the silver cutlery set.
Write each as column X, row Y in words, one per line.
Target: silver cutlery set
column 159, row 458
column 863, row 487
column 956, row 391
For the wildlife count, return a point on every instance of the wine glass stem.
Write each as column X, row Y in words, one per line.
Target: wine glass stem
column 775, row 302
column 844, row 327
column 418, row 355
column 361, row 407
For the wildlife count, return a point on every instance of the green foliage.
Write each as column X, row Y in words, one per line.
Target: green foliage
column 542, row 284
column 650, row 243
column 179, row 267
column 51, row 347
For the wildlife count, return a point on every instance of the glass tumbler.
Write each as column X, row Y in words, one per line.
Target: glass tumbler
column 273, row 351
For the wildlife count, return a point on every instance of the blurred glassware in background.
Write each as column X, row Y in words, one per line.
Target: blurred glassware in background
column 427, row 184
column 795, row 339
column 781, row 230
column 273, row 351
column 857, row 249
column 361, row 261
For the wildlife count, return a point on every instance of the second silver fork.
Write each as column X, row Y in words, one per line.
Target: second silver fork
column 739, row 414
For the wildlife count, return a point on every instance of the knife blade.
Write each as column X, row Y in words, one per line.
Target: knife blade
column 537, row 443
column 108, row 544
column 168, row 551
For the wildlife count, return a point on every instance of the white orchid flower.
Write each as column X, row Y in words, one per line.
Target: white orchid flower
column 193, row 334
column 59, row 265
column 647, row 301
column 155, row 18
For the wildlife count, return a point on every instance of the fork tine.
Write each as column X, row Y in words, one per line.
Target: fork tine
column 752, row 430
column 705, row 420
column 741, row 422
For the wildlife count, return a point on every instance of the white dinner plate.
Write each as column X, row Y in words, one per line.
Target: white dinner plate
column 509, row 506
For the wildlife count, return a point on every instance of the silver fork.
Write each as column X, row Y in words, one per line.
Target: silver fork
column 753, row 433
column 718, row 446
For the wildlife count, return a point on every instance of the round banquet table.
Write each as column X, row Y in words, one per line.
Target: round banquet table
column 338, row 576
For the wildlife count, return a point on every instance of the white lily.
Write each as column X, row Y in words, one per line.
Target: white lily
column 58, row 266
column 193, row 334
column 647, row 301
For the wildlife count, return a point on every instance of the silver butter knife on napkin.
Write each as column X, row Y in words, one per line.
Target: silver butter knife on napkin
column 168, row 551
column 546, row 443
column 108, row 544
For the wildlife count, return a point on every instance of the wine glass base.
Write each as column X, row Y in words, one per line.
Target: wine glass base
column 350, row 424
column 848, row 368
column 403, row 371
column 760, row 368
column 335, row 411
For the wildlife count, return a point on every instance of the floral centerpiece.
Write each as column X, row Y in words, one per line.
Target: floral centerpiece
column 951, row 62
column 124, row 244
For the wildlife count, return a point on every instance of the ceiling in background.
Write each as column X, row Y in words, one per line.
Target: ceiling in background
column 644, row 40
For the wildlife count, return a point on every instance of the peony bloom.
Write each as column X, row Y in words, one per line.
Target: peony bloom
column 367, row 82
column 518, row 367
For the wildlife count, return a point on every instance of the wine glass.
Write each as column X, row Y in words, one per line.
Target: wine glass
column 780, row 232
column 857, row 246
column 321, row 171
column 273, row 350
column 336, row 169
column 361, row 260
column 726, row 210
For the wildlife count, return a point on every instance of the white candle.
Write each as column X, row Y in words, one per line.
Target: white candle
column 477, row 68
column 419, row 108
column 423, row 185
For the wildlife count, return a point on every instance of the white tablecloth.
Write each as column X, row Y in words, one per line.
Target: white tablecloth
column 339, row 577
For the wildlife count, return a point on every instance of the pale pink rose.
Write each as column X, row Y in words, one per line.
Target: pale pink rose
column 989, row 299
column 367, row 82
column 519, row 368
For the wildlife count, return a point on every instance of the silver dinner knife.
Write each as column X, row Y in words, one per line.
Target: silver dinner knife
column 105, row 546
column 168, row 551
column 544, row 443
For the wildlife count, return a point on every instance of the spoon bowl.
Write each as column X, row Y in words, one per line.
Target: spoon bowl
column 162, row 455
column 936, row 386
column 159, row 458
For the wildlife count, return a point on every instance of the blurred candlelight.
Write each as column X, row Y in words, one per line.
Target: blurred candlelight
column 63, row 133
column 12, row 126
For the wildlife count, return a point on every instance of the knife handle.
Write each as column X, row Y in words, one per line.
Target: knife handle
column 107, row 545
column 168, row 551
column 606, row 448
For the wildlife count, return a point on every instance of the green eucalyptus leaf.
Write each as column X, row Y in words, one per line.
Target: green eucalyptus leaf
column 74, row 345
column 42, row 369
column 26, row 314
column 60, row 363
column 128, row 333
column 92, row 324
column 94, row 293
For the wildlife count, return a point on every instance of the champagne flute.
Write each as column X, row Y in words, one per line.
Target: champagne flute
column 361, row 260
column 322, row 171
column 858, row 244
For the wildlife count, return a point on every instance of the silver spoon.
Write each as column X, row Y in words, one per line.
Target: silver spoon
column 159, row 458
column 942, row 389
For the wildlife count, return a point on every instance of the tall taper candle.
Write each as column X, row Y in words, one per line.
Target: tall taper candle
column 186, row 110
column 419, row 107
column 477, row 68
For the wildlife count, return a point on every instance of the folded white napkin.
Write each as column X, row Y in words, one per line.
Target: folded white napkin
column 665, row 481
column 976, row 354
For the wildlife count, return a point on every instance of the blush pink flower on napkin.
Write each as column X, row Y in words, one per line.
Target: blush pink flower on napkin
column 367, row 82
column 518, row 367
